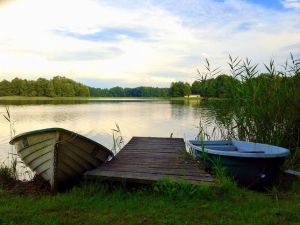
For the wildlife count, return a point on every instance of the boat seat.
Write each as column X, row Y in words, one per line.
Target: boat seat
column 221, row 147
column 251, row 151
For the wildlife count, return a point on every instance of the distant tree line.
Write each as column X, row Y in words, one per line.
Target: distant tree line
column 180, row 89
column 219, row 87
column 60, row 86
column 129, row 92
column 223, row 86
column 56, row 87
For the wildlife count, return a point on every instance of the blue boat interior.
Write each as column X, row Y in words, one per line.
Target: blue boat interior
column 215, row 143
column 237, row 149
column 221, row 147
column 225, row 146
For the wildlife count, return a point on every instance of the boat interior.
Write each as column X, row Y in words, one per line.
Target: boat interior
column 226, row 146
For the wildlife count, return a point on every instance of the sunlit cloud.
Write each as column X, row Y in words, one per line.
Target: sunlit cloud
column 294, row 4
column 142, row 42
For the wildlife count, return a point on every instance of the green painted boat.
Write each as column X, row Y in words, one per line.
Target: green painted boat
column 59, row 155
column 250, row 164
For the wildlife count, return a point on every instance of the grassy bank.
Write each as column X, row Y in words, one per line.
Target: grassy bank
column 93, row 203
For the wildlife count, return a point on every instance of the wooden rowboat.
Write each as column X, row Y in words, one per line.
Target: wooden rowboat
column 251, row 164
column 59, row 155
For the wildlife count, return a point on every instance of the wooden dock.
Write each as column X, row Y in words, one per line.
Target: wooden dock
column 145, row 160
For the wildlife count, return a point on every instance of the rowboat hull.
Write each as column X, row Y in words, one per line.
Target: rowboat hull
column 252, row 167
column 251, row 172
column 59, row 155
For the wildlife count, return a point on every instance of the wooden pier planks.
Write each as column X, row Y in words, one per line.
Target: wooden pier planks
column 148, row 159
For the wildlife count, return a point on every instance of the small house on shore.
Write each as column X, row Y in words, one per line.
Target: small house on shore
column 192, row 96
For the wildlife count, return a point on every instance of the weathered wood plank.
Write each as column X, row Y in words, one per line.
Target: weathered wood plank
column 175, row 172
column 154, row 177
column 146, row 159
column 153, row 165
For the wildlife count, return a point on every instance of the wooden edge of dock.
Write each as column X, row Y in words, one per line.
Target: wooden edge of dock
column 149, row 159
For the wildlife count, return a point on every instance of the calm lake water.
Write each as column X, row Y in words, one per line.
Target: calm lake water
column 96, row 118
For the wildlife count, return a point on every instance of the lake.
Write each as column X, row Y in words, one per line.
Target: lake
column 96, row 118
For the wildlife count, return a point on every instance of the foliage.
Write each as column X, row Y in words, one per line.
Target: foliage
column 220, row 87
column 264, row 107
column 63, row 87
column 117, row 92
column 56, row 87
column 180, row 89
column 270, row 104
column 130, row 92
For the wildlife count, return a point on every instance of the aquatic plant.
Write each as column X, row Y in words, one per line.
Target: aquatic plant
column 264, row 107
column 12, row 156
column 118, row 139
column 15, row 168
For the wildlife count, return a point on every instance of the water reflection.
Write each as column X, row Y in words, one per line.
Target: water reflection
column 70, row 101
column 95, row 119
column 42, row 102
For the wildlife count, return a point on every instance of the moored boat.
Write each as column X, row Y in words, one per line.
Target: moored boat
column 251, row 164
column 59, row 155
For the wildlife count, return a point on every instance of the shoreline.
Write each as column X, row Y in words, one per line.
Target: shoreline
column 42, row 98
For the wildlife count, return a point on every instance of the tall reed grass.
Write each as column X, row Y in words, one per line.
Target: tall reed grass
column 14, row 168
column 9, row 170
column 264, row 107
column 118, row 139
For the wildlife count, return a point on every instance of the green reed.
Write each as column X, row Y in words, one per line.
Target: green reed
column 10, row 170
column 264, row 107
column 118, row 139
column 15, row 168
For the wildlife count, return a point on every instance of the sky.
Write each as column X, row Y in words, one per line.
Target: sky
column 141, row 42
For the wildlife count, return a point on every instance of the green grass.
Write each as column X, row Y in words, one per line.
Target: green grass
column 7, row 173
column 97, row 204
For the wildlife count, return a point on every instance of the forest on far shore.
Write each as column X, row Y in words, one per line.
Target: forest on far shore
column 221, row 87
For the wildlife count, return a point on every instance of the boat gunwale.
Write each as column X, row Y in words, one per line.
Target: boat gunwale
column 58, row 129
column 239, row 154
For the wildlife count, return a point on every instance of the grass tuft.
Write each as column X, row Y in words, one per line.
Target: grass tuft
column 7, row 174
column 181, row 189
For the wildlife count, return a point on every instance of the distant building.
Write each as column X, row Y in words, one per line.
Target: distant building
column 193, row 96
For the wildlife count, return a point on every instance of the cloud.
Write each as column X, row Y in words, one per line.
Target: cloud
column 244, row 27
column 291, row 4
column 141, row 42
column 87, row 55
column 2, row 2
column 106, row 34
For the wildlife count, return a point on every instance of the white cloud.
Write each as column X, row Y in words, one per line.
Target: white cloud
column 294, row 4
column 45, row 38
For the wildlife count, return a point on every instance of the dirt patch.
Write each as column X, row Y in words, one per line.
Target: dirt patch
column 36, row 186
